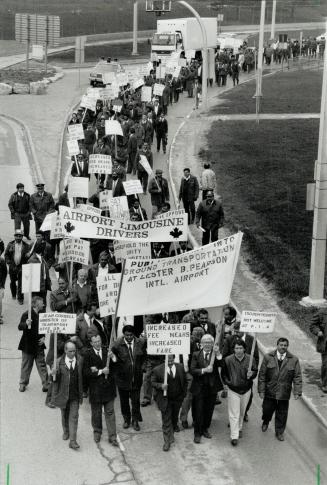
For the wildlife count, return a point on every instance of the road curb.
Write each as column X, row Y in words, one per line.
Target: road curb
column 34, row 163
column 262, row 348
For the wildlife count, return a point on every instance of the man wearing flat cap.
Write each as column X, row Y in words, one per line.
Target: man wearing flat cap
column 19, row 206
column 159, row 190
column 41, row 204
column 15, row 256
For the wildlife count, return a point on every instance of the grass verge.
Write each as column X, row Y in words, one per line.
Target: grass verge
column 262, row 172
column 11, row 76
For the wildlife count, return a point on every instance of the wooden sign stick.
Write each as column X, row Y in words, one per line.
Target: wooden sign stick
column 252, row 352
column 55, row 338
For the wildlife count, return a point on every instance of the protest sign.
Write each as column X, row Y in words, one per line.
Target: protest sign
column 100, row 163
column 182, row 62
column 31, row 276
column 122, row 79
column 88, row 102
column 118, row 207
column 89, row 208
column 132, row 250
column 158, row 89
column 146, row 94
column 56, row 228
column 138, row 83
column 175, row 213
column 108, row 286
column 177, row 71
column 145, row 164
column 204, row 275
column 78, row 187
column 74, row 250
column 48, row 222
column 78, row 224
column 57, row 323
column 109, row 92
column 113, row 127
column 190, row 54
column 76, row 132
column 109, row 77
column 73, row 148
column 133, row 187
column 117, row 105
column 94, row 92
column 168, row 338
column 258, row 322
column 104, row 198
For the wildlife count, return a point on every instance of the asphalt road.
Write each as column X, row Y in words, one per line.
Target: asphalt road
column 31, row 433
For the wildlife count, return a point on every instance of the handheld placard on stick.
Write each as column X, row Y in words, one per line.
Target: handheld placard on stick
column 113, row 335
column 217, row 338
column 252, row 352
column 77, row 165
column 55, row 338
column 140, row 208
column 30, row 293
column 166, row 374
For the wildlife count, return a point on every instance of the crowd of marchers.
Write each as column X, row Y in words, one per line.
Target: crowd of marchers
column 89, row 363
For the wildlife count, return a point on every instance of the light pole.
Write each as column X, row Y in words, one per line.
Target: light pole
column 318, row 251
column 204, row 54
column 273, row 19
column 258, row 94
column 135, row 22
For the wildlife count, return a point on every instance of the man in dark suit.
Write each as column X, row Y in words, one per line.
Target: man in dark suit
column 189, row 193
column 19, row 206
column 170, row 404
column 204, row 322
column 15, row 256
column 80, row 167
column 129, row 355
column 68, row 391
column 41, row 204
column 115, row 184
column 32, row 346
column 162, row 132
column 318, row 327
column 159, row 190
column 206, row 383
column 210, row 214
column 102, row 390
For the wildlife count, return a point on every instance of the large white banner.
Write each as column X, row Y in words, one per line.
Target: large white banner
column 177, row 212
column 202, row 278
column 75, row 250
column 132, row 250
column 57, row 323
column 107, row 286
column 78, row 224
column 100, row 163
column 89, row 209
column 168, row 338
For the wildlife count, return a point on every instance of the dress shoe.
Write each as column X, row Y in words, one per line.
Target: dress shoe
column 324, row 389
column 240, row 433
column 264, row 427
column 50, row 405
column 22, row 388
column 65, row 435
column 206, row 434
column 97, row 437
column 280, row 436
column 73, row 445
column 197, row 439
column 126, row 424
column 145, row 402
column 21, row 302
column 217, row 401
column 44, row 389
column 246, row 418
column 136, row 426
column 172, row 440
column 223, row 394
column 234, row 442
column 166, row 447
column 176, row 429
column 85, row 394
column 185, row 424
column 13, row 297
column 113, row 441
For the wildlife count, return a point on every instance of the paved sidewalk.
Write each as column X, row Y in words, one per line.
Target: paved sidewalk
column 249, row 292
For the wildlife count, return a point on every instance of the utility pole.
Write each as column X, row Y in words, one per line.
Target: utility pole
column 319, row 233
column 135, row 26
column 258, row 94
column 273, row 19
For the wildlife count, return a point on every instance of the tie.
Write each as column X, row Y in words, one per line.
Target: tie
column 130, row 353
column 70, row 365
column 98, row 352
column 206, row 358
column 280, row 361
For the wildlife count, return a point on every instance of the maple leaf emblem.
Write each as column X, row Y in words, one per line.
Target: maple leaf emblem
column 69, row 227
column 176, row 233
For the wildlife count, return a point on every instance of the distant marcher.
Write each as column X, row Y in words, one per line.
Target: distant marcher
column 162, row 132
column 15, row 256
column 318, row 327
column 159, row 191
column 19, row 206
column 41, row 204
column 3, row 277
column 208, row 181
column 32, row 346
column 210, row 215
column 279, row 370
column 189, row 193
column 68, row 392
